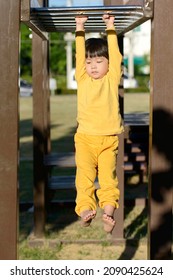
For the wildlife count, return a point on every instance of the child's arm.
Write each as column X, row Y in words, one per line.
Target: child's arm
column 80, row 47
column 115, row 56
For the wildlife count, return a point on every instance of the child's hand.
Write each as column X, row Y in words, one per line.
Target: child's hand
column 109, row 20
column 80, row 21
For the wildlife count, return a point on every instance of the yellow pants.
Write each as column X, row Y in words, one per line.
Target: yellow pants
column 96, row 156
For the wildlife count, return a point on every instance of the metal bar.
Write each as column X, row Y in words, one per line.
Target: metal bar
column 161, row 124
column 97, row 24
column 91, row 23
column 121, row 17
column 84, row 9
column 96, row 13
column 137, row 10
column 9, row 127
column 42, row 17
column 63, row 17
column 92, row 19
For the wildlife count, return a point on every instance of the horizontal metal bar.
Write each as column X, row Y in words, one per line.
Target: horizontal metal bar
column 120, row 17
column 74, row 14
column 102, row 27
column 55, row 22
column 94, row 13
column 90, row 8
column 62, row 19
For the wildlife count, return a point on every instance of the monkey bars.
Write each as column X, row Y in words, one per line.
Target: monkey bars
column 62, row 19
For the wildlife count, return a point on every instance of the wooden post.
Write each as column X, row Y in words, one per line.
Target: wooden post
column 9, row 119
column 41, row 126
column 161, row 139
column 118, row 232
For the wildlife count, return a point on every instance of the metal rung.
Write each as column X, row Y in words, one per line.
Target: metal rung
column 62, row 19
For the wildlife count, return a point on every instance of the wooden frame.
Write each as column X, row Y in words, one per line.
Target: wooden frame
column 9, row 121
column 161, row 124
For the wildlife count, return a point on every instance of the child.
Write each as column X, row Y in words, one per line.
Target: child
column 98, row 73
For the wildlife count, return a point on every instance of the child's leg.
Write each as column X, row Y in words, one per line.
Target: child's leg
column 85, row 177
column 108, row 193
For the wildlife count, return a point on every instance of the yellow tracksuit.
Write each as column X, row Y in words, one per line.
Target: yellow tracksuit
column 99, row 122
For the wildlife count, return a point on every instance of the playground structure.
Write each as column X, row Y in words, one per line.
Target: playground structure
column 42, row 20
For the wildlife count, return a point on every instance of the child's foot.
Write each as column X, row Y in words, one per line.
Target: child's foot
column 108, row 218
column 109, row 222
column 87, row 217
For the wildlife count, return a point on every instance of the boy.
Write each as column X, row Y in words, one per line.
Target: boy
column 98, row 73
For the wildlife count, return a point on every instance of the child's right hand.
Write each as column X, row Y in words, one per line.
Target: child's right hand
column 80, row 21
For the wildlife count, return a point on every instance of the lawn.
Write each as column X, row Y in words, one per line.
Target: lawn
column 62, row 223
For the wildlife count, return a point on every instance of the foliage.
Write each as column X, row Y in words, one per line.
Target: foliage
column 25, row 52
column 138, row 68
column 57, row 55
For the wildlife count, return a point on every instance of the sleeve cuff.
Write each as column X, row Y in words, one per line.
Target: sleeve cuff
column 112, row 28
column 80, row 33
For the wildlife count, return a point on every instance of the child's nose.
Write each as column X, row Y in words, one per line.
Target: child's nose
column 93, row 65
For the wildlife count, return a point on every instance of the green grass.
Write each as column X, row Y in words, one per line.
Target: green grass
column 60, row 230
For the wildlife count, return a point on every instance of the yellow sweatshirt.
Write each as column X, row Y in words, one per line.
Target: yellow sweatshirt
column 98, row 101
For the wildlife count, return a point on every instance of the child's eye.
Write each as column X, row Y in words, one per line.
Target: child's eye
column 99, row 61
column 88, row 62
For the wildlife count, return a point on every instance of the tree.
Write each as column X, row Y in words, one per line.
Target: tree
column 25, row 52
column 57, row 53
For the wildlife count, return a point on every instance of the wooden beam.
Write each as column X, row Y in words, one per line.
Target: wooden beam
column 9, row 119
column 25, row 17
column 118, row 232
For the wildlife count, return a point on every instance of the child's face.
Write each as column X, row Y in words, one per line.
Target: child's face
column 97, row 66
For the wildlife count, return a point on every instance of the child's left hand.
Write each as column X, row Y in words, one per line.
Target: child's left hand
column 108, row 19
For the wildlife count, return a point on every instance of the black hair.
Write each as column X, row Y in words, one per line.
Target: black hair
column 96, row 47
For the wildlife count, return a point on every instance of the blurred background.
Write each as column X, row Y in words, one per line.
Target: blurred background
column 62, row 56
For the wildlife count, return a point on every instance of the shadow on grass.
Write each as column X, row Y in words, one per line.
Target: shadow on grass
column 30, row 179
column 134, row 233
